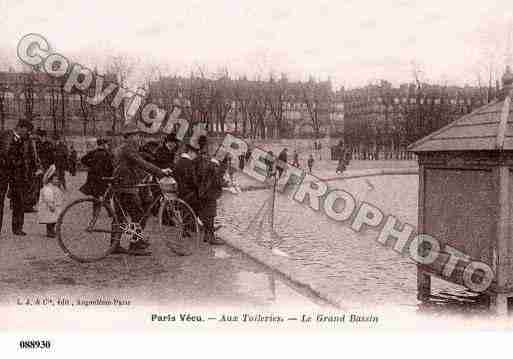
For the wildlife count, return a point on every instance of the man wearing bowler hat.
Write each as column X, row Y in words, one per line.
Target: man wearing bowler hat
column 13, row 172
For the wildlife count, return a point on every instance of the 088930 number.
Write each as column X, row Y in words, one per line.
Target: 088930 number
column 35, row 344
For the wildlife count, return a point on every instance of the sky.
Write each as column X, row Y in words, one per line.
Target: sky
column 351, row 42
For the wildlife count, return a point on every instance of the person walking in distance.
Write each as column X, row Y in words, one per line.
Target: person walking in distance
column 296, row 159
column 341, row 166
column 13, row 173
column 310, row 163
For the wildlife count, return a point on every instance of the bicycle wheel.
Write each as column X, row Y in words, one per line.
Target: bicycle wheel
column 84, row 230
column 179, row 226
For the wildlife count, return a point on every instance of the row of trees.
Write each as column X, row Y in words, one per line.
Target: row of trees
column 389, row 118
column 42, row 99
column 258, row 109
column 255, row 109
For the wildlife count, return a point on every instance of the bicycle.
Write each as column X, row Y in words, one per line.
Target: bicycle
column 86, row 226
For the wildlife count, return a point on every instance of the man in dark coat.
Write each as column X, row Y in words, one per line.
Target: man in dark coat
column 39, row 153
column 209, row 181
column 185, row 175
column 35, row 171
column 13, row 172
column 130, row 170
column 99, row 163
column 166, row 153
column 45, row 150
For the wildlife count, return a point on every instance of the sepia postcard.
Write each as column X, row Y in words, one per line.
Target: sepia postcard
column 337, row 169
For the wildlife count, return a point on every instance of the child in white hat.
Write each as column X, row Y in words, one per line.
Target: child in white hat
column 51, row 200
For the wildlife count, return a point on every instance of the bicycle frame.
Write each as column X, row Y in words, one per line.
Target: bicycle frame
column 109, row 200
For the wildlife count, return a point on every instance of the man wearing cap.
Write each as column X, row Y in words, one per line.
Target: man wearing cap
column 13, row 172
column 130, row 169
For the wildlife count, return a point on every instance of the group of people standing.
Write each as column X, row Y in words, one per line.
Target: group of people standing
column 198, row 175
column 281, row 163
column 25, row 156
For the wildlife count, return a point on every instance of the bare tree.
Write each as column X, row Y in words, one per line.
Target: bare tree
column 28, row 94
column 53, row 97
column 312, row 95
column 199, row 94
column 222, row 100
column 241, row 96
column 121, row 68
column 258, row 110
column 276, row 98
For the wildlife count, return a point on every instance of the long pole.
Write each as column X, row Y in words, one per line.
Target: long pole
column 272, row 280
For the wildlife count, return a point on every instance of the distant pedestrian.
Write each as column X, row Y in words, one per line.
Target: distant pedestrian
column 269, row 161
column 230, row 170
column 242, row 158
column 310, row 163
column 342, row 160
column 341, row 166
column 296, row 159
column 248, row 155
column 231, row 183
column 51, row 201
